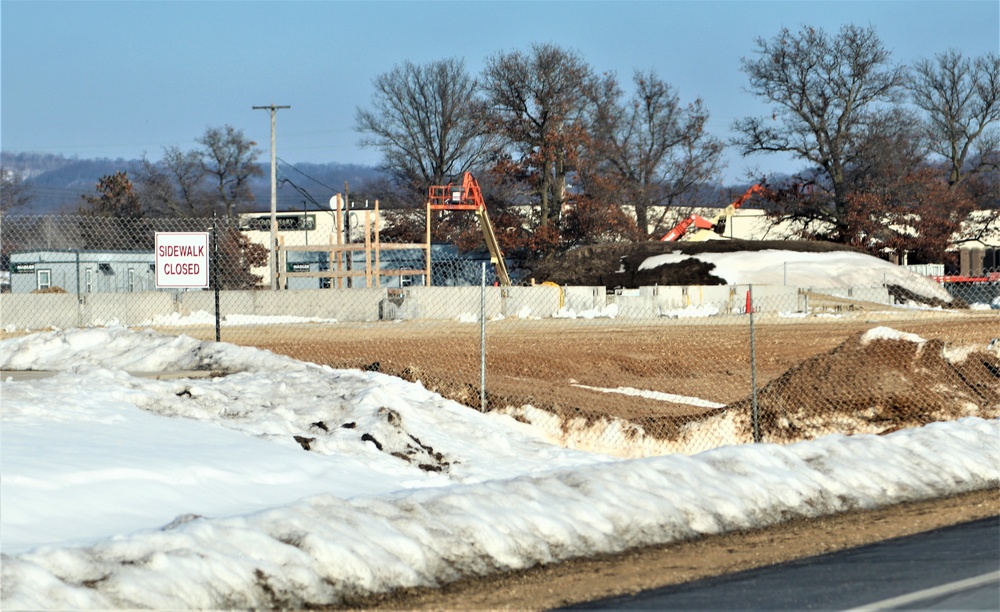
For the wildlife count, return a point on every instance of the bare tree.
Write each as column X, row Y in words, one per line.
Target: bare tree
column 192, row 183
column 426, row 121
column 175, row 186
column 15, row 192
column 121, row 226
column 825, row 93
column 229, row 160
column 539, row 102
column 900, row 204
column 651, row 149
column 961, row 99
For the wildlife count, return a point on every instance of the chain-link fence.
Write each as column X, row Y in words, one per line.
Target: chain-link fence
column 630, row 372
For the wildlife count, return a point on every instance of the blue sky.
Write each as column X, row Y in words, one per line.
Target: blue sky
column 119, row 79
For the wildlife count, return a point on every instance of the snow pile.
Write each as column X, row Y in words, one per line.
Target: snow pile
column 656, row 395
column 887, row 333
column 281, row 484
column 816, row 270
column 619, row 437
column 608, row 312
column 525, row 313
column 326, row 549
column 691, row 311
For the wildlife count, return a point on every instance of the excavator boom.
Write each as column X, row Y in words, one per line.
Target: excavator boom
column 681, row 228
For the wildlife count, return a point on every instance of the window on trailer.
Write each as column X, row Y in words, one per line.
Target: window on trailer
column 44, row 278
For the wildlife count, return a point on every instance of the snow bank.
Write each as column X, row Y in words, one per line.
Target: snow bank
column 325, row 550
column 383, row 484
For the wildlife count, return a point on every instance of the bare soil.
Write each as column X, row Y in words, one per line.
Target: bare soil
column 878, row 386
column 807, row 372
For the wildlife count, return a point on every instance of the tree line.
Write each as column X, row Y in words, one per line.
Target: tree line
column 893, row 157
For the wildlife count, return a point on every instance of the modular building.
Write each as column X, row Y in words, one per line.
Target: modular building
column 80, row 271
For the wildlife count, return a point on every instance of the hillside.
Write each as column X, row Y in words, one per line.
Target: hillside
column 57, row 182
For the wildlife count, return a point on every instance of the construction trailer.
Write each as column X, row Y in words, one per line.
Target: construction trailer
column 82, row 271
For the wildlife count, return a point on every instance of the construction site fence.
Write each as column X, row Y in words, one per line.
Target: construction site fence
column 624, row 371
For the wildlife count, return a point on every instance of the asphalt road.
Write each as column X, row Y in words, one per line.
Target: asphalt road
column 953, row 568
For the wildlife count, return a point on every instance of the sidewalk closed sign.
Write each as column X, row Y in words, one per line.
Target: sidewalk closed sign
column 182, row 260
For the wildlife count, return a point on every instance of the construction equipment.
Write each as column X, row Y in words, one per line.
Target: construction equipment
column 468, row 196
column 717, row 225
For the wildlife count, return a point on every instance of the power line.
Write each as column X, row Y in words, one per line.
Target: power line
column 317, row 181
column 302, row 192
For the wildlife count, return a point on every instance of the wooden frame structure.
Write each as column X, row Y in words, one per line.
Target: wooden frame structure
column 341, row 255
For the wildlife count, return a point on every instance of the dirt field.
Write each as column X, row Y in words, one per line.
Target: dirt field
column 540, row 360
column 566, row 367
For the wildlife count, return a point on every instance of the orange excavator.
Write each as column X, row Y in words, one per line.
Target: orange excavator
column 468, row 196
column 716, row 225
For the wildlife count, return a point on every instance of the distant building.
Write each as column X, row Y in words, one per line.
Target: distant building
column 294, row 229
column 320, row 228
column 80, row 271
column 978, row 244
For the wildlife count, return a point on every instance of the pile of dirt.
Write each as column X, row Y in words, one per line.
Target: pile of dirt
column 878, row 385
column 902, row 295
column 617, row 265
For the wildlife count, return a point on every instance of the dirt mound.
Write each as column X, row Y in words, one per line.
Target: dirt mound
column 902, row 295
column 617, row 265
column 872, row 384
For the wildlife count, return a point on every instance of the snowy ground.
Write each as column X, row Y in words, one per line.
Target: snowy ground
column 125, row 491
column 837, row 269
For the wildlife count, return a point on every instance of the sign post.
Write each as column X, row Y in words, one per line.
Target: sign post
column 181, row 260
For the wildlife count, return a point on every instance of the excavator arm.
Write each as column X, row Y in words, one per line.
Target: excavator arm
column 681, row 228
column 717, row 223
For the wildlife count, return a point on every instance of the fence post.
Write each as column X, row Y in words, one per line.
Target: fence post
column 79, row 296
column 482, row 340
column 754, row 413
column 215, row 274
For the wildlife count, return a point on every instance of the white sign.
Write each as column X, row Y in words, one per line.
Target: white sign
column 182, row 260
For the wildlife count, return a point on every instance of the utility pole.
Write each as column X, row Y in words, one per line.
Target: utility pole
column 274, row 197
